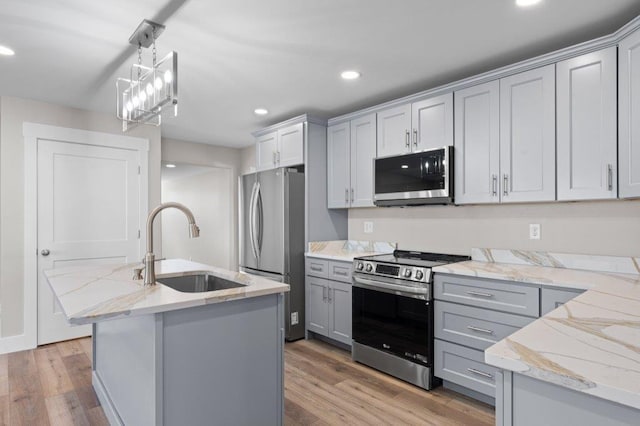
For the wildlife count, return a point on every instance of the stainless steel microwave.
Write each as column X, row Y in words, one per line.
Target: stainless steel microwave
column 424, row 177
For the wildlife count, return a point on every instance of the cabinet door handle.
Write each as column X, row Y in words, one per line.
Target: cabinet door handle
column 352, row 196
column 324, row 293
column 274, row 157
column 346, row 195
column 329, row 293
column 278, row 157
column 494, row 185
column 480, row 330
column 415, row 138
column 479, row 294
column 407, row 143
column 610, row 177
column 344, row 274
column 480, row 373
column 505, row 183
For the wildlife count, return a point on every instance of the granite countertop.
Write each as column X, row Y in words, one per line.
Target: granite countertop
column 347, row 250
column 94, row 293
column 590, row 344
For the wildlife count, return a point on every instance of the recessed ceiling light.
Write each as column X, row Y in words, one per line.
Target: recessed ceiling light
column 527, row 3
column 261, row 111
column 350, row 75
column 4, row 50
column 170, row 166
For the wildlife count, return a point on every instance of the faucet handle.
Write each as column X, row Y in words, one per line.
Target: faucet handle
column 137, row 273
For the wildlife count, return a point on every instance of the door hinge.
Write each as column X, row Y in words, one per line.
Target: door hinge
column 138, row 234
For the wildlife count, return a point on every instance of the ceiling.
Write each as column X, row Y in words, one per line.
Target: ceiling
column 284, row 55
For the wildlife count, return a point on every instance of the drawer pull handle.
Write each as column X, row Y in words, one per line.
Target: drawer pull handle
column 316, row 268
column 479, row 294
column 344, row 274
column 480, row 373
column 481, row 330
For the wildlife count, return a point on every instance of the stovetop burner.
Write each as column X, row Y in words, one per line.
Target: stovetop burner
column 416, row 258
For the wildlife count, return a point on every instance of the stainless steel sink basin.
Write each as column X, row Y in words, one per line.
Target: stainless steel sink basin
column 198, row 283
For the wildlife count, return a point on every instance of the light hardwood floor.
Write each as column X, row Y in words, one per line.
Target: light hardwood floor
column 51, row 385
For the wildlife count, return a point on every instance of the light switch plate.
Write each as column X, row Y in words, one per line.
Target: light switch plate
column 534, row 231
column 294, row 318
column 368, row 227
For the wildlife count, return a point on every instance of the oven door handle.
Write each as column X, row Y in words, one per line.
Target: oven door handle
column 415, row 292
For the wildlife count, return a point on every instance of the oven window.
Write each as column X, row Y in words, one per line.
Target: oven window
column 408, row 173
column 394, row 324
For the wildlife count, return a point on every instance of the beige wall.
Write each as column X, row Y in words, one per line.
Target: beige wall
column 248, row 160
column 13, row 113
column 215, row 156
column 603, row 227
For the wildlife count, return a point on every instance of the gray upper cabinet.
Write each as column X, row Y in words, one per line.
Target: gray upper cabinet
column 351, row 148
column 394, row 131
column 477, row 143
column 629, row 116
column 432, row 121
column 587, row 126
column 338, row 165
column 282, row 148
column 422, row 125
column 528, row 136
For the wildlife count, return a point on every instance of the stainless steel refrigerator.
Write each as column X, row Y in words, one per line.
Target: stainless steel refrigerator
column 272, row 236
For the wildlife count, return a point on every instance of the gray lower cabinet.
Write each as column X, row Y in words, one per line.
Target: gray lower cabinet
column 328, row 304
column 524, row 401
column 553, row 298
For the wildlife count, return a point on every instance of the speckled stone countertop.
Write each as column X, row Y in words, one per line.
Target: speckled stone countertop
column 95, row 293
column 590, row 344
column 347, row 250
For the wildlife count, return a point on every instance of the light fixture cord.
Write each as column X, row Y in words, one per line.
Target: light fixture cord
column 139, row 60
column 154, row 46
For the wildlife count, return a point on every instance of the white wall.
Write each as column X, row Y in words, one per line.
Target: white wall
column 248, row 160
column 603, row 227
column 208, row 194
column 215, row 156
column 13, row 113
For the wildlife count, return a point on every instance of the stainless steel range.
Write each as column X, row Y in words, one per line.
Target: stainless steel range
column 393, row 313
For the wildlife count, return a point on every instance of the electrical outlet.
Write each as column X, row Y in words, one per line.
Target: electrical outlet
column 294, row 318
column 534, row 231
column 368, row 227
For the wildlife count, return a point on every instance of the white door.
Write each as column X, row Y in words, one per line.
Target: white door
column 363, row 152
column 629, row 115
column 587, row 126
column 394, row 125
column 477, row 144
column 291, row 145
column 432, row 121
column 88, row 212
column 528, row 136
column 266, row 151
column 338, row 180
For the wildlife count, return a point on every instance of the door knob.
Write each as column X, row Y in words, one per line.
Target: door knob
column 45, row 252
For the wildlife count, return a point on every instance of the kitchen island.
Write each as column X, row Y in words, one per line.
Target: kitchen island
column 579, row 363
column 165, row 357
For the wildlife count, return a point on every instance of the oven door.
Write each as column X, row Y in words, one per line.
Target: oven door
column 393, row 322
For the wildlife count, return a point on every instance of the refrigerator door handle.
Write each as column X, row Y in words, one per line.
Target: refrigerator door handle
column 260, row 230
column 252, row 213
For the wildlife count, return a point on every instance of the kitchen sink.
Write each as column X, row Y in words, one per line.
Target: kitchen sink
column 198, row 283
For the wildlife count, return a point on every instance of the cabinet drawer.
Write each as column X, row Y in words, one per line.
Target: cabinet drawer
column 552, row 298
column 464, row 367
column 498, row 295
column 340, row 271
column 317, row 267
column 475, row 327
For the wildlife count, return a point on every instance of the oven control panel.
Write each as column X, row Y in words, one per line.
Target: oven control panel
column 410, row 273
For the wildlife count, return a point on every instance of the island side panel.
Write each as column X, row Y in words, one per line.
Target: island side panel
column 223, row 363
column 125, row 368
column 531, row 402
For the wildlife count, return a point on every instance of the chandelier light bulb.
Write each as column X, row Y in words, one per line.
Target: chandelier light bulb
column 136, row 101
column 124, row 111
column 129, row 106
column 142, row 96
column 149, row 89
column 158, row 83
column 168, row 77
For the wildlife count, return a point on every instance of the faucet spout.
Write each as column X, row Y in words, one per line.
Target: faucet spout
column 149, row 258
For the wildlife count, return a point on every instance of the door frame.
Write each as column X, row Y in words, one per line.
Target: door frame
column 32, row 133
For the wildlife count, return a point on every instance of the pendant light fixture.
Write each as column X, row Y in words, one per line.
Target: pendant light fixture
column 150, row 90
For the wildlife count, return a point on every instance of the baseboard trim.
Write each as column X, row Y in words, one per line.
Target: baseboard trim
column 107, row 405
column 21, row 342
